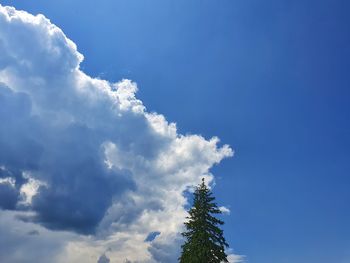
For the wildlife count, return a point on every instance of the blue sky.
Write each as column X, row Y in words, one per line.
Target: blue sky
column 269, row 78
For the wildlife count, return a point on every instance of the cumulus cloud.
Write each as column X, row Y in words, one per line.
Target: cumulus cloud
column 82, row 162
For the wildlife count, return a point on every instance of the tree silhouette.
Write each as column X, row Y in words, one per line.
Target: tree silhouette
column 204, row 239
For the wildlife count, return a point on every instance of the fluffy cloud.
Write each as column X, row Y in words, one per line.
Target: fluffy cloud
column 83, row 165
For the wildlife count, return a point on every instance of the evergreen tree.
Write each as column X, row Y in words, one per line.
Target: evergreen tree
column 204, row 239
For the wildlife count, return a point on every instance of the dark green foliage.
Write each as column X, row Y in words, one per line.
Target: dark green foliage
column 204, row 239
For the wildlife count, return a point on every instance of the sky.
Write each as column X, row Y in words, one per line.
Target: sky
column 268, row 78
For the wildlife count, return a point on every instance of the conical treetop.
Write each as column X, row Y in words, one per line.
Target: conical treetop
column 204, row 239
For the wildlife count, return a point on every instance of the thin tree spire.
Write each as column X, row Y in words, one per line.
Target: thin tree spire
column 204, row 242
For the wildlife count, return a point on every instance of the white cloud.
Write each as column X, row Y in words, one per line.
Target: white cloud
column 232, row 258
column 225, row 210
column 29, row 189
column 104, row 172
column 8, row 180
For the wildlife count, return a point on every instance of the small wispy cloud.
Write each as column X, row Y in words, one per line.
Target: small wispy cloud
column 225, row 210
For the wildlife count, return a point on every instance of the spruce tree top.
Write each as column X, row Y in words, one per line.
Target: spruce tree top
column 204, row 239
